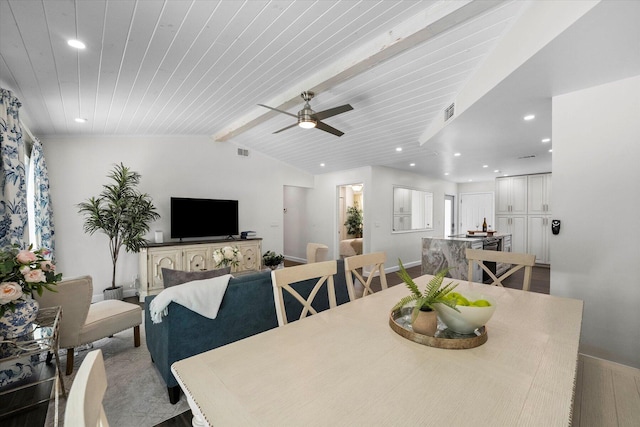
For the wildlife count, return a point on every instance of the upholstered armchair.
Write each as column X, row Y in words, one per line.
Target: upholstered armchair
column 83, row 322
column 317, row 252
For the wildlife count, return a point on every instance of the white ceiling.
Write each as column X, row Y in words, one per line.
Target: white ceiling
column 201, row 67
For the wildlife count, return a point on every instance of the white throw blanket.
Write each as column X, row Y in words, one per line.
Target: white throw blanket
column 202, row 296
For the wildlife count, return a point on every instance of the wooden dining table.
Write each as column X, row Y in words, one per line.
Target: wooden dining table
column 347, row 367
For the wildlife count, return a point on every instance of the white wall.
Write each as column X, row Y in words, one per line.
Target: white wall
column 378, row 211
column 477, row 187
column 596, row 195
column 406, row 246
column 296, row 223
column 188, row 166
column 323, row 207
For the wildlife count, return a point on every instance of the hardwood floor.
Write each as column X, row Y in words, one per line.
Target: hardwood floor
column 35, row 415
column 607, row 394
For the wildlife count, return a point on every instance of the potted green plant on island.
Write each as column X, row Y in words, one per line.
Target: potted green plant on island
column 423, row 316
column 354, row 222
column 272, row 260
column 121, row 212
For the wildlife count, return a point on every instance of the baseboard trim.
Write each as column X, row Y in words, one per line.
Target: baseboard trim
column 615, row 366
column 127, row 292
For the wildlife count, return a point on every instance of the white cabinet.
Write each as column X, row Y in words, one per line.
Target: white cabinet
column 191, row 256
column 197, row 258
column 539, row 194
column 151, row 271
column 476, row 273
column 523, row 208
column 511, row 195
column 516, row 225
column 502, row 267
column 539, row 232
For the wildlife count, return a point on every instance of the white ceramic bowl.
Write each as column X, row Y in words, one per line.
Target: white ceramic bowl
column 469, row 318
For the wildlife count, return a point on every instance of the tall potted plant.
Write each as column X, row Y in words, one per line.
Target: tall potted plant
column 354, row 220
column 123, row 214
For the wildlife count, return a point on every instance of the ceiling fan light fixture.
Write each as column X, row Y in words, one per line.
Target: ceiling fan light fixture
column 305, row 117
column 307, row 124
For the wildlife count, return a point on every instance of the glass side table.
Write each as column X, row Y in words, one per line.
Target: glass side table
column 37, row 346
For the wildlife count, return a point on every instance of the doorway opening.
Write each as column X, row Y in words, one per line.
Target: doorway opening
column 449, row 216
column 350, row 219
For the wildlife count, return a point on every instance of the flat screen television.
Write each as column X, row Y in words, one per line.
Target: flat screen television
column 203, row 218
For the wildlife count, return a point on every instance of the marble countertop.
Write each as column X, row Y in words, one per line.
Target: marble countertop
column 468, row 239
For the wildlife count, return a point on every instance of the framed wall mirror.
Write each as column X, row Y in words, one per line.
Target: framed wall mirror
column 412, row 209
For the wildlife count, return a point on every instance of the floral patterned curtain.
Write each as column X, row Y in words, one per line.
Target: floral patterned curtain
column 13, row 188
column 43, row 212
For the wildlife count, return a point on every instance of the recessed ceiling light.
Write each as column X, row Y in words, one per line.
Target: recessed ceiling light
column 546, row 140
column 485, row 166
column 551, row 150
column 496, row 170
column 470, row 180
column 80, row 120
column 399, row 149
column 412, row 164
column 76, row 43
column 446, row 173
column 457, row 154
column 529, row 117
column 506, row 174
column 321, row 165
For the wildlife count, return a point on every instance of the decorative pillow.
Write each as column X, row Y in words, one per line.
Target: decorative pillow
column 177, row 277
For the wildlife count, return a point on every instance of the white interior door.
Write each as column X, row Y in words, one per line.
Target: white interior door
column 474, row 207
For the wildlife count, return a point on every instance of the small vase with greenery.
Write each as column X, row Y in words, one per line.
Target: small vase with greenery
column 354, row 222
column 121, row 212
column 272, row 260
column 434, row 293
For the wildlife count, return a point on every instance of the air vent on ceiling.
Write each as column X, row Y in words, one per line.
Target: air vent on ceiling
column 449, row 111
column 530, row 156
column 243, row 152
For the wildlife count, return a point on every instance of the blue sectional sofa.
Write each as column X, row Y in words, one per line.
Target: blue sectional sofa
column 248, row 308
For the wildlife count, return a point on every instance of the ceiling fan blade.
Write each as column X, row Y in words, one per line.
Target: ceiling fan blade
column 288, row 127
column 321, row 115
column 325, row 127
column 279, row 111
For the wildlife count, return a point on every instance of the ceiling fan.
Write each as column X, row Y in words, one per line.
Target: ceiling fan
column 307, row 118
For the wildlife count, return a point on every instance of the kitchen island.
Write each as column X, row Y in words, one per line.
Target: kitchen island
column 449, row 252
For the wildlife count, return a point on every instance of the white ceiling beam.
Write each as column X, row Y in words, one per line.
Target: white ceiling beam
column 420, row 28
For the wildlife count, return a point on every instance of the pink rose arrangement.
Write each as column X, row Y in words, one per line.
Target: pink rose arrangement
column 23, row 272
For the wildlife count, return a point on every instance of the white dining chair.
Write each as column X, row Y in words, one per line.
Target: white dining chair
column 283, row 279
column 84, row 404
column 356, row 266
column 517, row 260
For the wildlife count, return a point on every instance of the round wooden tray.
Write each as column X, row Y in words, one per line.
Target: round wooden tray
column 400, row 322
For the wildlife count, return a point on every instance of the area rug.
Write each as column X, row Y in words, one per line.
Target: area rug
column 136, row 394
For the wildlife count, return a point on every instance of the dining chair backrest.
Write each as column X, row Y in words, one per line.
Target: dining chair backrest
column 84, row 404
column 355, row 266
column 283, row 279
column 517, row 261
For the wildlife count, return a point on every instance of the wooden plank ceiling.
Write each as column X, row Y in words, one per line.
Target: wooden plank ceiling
column 196, row 67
